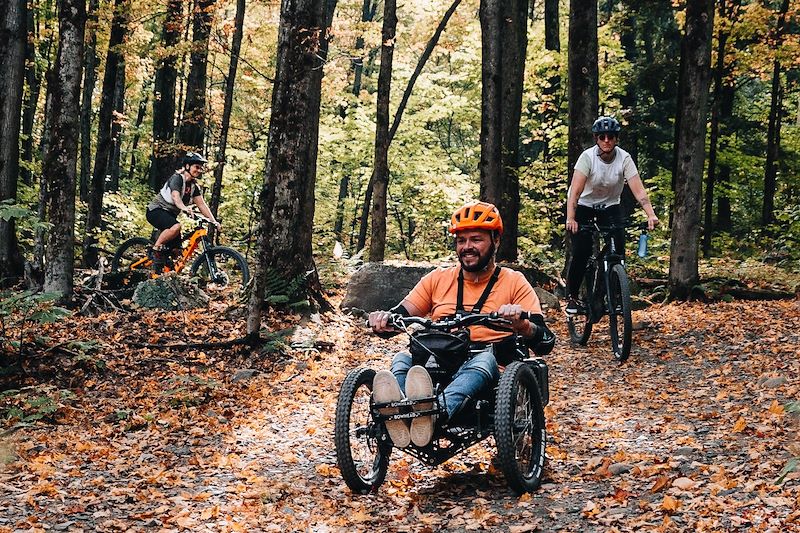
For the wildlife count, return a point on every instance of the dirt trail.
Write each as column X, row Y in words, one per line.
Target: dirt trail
column 689, row 435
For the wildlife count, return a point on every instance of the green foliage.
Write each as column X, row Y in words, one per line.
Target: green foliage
column 26, row 219
column 32, row 404
column 281, row 291
column 28, row 307
column 187, row 391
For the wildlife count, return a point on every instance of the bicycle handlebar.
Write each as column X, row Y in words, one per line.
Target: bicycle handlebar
column 490, row 320
column 194, row 215
column 593, row 226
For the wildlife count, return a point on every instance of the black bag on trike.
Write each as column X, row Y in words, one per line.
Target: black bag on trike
column 450, row 350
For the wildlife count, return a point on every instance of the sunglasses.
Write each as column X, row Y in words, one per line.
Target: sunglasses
column 606, row 136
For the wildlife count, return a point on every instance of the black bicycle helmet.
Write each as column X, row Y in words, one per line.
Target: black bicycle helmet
column 193, row 158
column 606, row 125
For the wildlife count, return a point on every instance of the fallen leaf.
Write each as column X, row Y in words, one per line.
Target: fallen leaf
column 670, row 504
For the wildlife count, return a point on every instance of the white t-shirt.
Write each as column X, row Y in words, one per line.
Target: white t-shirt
column 605, row 181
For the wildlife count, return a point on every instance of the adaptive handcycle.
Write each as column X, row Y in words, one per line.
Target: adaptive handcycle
column 512, row 410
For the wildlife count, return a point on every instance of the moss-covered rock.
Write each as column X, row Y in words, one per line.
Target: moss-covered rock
column 170, row 291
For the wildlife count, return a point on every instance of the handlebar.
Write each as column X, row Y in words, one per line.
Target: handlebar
column 194, row 215
column 491, row 320
column 593, row 226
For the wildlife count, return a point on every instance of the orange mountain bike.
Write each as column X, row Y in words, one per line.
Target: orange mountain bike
column 216, row 266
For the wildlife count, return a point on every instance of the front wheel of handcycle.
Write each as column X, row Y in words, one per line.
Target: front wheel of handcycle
column 221, row 267
column 619, row 316
column 361, row 454
column 132, row 255
column 580, row 325
column 519, row 428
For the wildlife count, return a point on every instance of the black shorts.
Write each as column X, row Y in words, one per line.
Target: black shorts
column 161, row 218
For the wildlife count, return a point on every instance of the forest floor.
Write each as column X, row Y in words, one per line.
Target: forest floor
column 691, row 434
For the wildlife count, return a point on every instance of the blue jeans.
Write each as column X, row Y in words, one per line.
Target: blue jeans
column 473, row 376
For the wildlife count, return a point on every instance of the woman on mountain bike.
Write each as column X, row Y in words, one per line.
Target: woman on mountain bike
column 180, row 189
column 594, row 195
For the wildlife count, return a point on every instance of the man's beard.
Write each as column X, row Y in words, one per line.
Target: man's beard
column 483, row 261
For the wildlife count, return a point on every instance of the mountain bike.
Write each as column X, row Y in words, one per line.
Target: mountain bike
column 216, row 266
column 605, row 290
column 512, row 410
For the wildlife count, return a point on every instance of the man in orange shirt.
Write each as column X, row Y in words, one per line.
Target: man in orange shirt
column 476, row 284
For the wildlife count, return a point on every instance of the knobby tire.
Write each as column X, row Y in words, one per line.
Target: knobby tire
column 363, row 460
column 619, row 319
column 128, row 253
column 519, row 428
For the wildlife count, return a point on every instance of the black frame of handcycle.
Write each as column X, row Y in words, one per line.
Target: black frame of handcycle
column 467, row 428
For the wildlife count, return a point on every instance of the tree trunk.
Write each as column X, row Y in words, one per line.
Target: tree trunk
column 338, row 225
column 33, row 78
column 628, row 101
column 13, row 38
column 117, row 123
column 61, row 154
column 136, row 135
column 583, row 78
column 491, row 94
column 690, row 134
column 89, row 81
column 193, row 124
column 364, row 220
column 774, row 127
column 236, row 46
column 504, row 41
column 583, row 86
column 426, row 54
column 286, row 200
column 720, row 72
column 368, row 9
column 380, row 169
column 102, row 157
column 552, row 26
column 164, row 152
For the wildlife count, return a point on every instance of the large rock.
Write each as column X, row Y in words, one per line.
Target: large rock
column 377, row 286
column 170, row 291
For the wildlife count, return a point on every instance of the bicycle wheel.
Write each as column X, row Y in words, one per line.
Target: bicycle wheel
column 220, row 267
column 619, row 316
column 132, row 255
column 519, row 428
column 580, row 324
column 363, row 459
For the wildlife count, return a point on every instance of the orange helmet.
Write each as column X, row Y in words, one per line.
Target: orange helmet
column 476, row 215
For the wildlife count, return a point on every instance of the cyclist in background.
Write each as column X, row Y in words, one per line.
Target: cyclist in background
column 475, row 285
column 180, row 189
column 594, row 196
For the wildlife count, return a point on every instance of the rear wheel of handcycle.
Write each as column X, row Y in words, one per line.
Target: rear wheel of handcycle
column 221, row 267
column 580, row 325
column 132, row 255
column 619, row 318
column 363, row 459
column 519, row 428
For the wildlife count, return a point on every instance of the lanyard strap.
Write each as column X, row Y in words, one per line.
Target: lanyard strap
column 482, row 300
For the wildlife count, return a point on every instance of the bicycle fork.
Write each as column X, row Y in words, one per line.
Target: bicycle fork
column 210, row 263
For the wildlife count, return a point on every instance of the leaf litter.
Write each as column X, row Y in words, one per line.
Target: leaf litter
column 691, row 434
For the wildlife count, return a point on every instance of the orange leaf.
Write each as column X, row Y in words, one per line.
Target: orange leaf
column 670, row 504
column 739, row 426
column 775, row 408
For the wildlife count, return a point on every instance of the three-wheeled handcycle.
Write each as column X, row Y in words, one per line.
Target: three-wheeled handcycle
column 512, row 410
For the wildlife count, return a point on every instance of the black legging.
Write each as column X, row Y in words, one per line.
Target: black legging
column 582, row 241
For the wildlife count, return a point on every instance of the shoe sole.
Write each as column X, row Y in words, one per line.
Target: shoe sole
column 419, row 385
column 385, row 389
